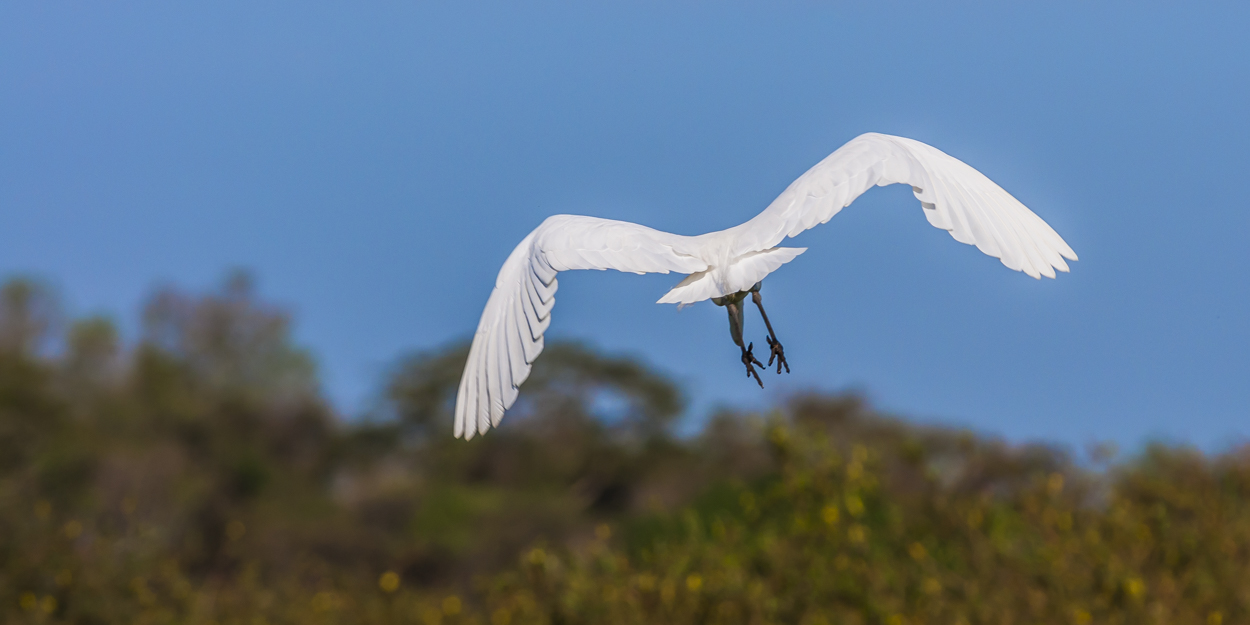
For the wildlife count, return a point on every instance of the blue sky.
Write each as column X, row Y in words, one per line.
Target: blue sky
column 375, row 163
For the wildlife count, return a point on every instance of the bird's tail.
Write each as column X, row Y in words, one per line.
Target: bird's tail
column 740, row 275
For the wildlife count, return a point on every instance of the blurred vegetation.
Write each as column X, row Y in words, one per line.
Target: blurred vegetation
column 196, row 475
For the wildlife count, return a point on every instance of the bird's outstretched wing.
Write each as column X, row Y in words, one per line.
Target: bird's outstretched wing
column 509, row 336
column 955, row 197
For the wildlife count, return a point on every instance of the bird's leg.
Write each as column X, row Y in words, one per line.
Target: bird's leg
column 773, row 344
column 747, row 359
column 735, row 330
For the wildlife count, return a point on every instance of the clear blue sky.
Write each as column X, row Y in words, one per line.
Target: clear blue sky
column 374, row 163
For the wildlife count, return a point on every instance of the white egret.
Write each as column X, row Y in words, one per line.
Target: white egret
column 728, row 265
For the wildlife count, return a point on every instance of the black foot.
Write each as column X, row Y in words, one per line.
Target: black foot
column 747, row 359
column 777, row 353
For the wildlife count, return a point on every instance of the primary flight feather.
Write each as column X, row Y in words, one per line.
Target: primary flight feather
column 727, row 266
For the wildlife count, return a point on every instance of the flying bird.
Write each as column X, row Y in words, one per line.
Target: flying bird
column 728, row 266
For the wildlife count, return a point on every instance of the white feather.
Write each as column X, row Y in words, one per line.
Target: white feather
column 954, row 196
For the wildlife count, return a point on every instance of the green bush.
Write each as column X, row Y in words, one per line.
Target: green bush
column 196, row 475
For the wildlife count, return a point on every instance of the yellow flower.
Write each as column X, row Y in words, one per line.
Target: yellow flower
column 1134, row 587
column 501, row 617
column 537, row 556
column 72, row 529
column 917, row 551
column 854, row 504
column 48, row 605
column 830, row 514
column 325, row 601
column 1081, row 617
column 668, row 592
column 1064, row 522
column 694, row 582
column 856, row 533
column 451, row 605
column 778, row 435
column 1054, row 484
column 800, row 523
column 28, row 601
column 431, row 616
column 974, row 519
column 603, row 531
column 747, row 500
column 389, row 581
column 1215, row 618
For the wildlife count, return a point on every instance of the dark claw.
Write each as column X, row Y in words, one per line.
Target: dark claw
column 778, row 353
column 747, row 358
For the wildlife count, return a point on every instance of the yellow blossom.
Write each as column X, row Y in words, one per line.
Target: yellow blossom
column 431, row 616
column 501, row 617
column 830, row 514
column 931, row 586
column 668, row 592
column 694, row 582
column 1054, row 483
column 747, row 501
column 325, row 601
column 1134, row 587
column 854, row 504
column 537, row 556
column 451, row 605
column 975, row 517
column 917, row 551
column 856, row 533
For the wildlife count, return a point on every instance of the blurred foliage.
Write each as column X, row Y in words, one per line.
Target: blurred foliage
column 198, row 476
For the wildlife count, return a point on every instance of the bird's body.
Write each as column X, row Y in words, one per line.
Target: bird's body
column 727, row 265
